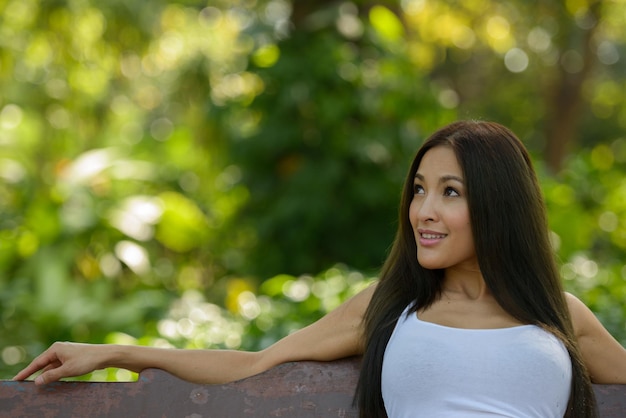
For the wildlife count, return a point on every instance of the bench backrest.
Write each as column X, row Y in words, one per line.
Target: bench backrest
column 301, row 389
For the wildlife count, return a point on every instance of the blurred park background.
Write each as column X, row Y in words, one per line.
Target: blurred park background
column 218, row 173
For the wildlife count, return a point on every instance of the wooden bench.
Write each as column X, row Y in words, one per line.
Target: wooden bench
column 302, row 389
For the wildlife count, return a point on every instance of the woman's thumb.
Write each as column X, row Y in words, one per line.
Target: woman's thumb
column 49, row 376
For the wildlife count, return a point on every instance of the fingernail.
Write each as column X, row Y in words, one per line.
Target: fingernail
column 39, row 380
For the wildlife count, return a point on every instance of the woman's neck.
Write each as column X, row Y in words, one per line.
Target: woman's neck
column 463, row 283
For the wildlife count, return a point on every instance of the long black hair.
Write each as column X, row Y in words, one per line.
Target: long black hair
column 507, row 213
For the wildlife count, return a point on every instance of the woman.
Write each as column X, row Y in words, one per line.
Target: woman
column 468, row 315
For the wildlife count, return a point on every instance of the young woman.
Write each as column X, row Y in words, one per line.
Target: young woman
column 468, row 319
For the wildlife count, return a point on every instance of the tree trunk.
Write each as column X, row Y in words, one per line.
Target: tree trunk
column 566, row 102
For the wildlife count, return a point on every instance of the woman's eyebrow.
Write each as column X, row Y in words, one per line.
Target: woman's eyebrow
column 443, row 179
column 449, row 177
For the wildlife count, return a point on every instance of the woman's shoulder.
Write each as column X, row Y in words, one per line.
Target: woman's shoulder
column 582, row 317
column 604, row 356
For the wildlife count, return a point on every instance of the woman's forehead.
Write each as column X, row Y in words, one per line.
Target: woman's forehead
column 438, row 161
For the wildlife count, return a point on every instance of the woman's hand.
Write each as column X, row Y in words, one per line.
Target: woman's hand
column 64, row 360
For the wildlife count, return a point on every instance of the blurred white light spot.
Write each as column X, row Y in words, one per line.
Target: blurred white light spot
column 516, row 60
column 131, row 226
column 171, row 45
column 12, row 355
column 145, row 208
column 58, row 117
column 377, row 152
column 11, row 171
column 232, row 341
column 608, row 221
column 585, row 267
column 185, row 327
column 296, row 290
column 161, row 129
column 449, row 99
column 130, row 66
column 348, row 24
column 348, row 71
column 249, row 308
column 167, row 328
column 589, row 268
column 121, row 105
column 607, row 53
column 539, row 40
column 413, row 6
column 134, row 256
column 11, row 116
column 88, row 164
column 276, row 11
column 56, row 88
column 136, row 216
column 110, row 265
column 198, row 315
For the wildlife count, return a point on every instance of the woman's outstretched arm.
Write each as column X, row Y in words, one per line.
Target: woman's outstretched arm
column 603, row 355
column 336, row 335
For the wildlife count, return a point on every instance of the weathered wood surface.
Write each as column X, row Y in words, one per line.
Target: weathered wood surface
column 303, row 389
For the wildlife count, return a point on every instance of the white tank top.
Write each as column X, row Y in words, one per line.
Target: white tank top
column 432, row 371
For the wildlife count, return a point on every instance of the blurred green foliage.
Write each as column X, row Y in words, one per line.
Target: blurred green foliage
column 189, row 173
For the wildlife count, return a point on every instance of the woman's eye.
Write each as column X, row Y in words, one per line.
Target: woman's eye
column 417, row 189
column 450, row 192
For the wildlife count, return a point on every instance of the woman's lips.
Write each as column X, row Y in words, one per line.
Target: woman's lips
column 430, row 238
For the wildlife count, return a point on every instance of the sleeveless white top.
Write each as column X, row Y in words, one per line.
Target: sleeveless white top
column 432, row 371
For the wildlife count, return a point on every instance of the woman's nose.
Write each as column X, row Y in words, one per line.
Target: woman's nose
column 427, row 211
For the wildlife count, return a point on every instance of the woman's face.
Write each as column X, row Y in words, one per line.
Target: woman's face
column 439, row 213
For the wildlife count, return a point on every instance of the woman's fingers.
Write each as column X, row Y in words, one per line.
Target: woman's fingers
column 52, row 374
column 49, row 362
column 42, row 361
column 51, row 366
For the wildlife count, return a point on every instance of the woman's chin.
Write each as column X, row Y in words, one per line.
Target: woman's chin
column 431, row 264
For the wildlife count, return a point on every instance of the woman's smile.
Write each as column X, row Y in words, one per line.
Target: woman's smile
column 430, row 238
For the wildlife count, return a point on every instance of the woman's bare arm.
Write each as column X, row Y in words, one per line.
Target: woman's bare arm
column 336, row 335
column 604, row 357
column 65, row 359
